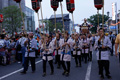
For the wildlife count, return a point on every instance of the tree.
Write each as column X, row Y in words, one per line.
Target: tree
column 94, row 21
column 50, row 26
column 12, row 19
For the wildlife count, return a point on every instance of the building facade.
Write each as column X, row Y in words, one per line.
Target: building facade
column 29, row 19
column 67, row 21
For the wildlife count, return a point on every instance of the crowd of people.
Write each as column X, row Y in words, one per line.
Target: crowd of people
column 58, row 49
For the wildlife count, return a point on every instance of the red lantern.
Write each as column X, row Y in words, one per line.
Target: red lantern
column 54, row 4
column 59, row 0
column 98, row 4
column 35, row 5
column 1, row 18
column 18, row 1
column 70, row 5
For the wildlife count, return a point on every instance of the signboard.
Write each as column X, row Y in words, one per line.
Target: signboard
column 113, row 11
column 112, row 27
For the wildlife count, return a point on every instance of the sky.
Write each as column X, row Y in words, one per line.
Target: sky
column 83, row 9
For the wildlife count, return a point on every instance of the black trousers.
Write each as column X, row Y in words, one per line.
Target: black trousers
column 78, row 58
column 64, row 66
column 86, row 55
column 50, row 63
column 82, row 56
column 104, row 64
column 19, row 57
column 32, row 61
column 90, row 55
column 1, row 60
column 72, row 53
column 112, row 50
column 119, row 57
column 57, row 59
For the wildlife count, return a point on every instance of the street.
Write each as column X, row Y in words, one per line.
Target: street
column 88, row 71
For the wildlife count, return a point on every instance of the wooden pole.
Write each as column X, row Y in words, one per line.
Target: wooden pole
column 98, row 17
column 103, row 15
column 1, row 28
column 42, row 24
column 73, row 23
column 39, row 24
column 62, row 18
column 55, row 28
column 55, row 22
column 22, row 17
column 63, row 23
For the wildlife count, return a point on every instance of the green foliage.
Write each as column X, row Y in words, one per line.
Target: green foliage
column 12, row 19
column 50, row 26
column 94, row 21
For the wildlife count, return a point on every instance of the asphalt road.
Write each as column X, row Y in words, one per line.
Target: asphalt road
column 88, row 71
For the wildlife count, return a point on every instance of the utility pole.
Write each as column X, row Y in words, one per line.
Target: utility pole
column 116, row 18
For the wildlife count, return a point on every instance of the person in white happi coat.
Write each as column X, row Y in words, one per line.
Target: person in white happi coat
column 30, row 47
column 41, row 44
column 90, row 47
column 85, row 47
column 47, row 48
column 82, row 54
column 65, row 44
column 21, row 42
column 77, row 50
column 103, row 45
column 57, row 50
column 72, row 40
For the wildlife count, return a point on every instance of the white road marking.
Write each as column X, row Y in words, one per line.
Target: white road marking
column 87, row 77
column 7, row 75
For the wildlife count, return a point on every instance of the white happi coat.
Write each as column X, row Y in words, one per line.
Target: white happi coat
column 90, row 43
column 50, row 47
column 60, row 50
column 104, row 54
column 33, row 44
column 66, row 57
column 40, row 43
column 85, row 41
column 72, row 42
column 79, row 47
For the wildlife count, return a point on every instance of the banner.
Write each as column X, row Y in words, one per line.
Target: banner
column 113, row 11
